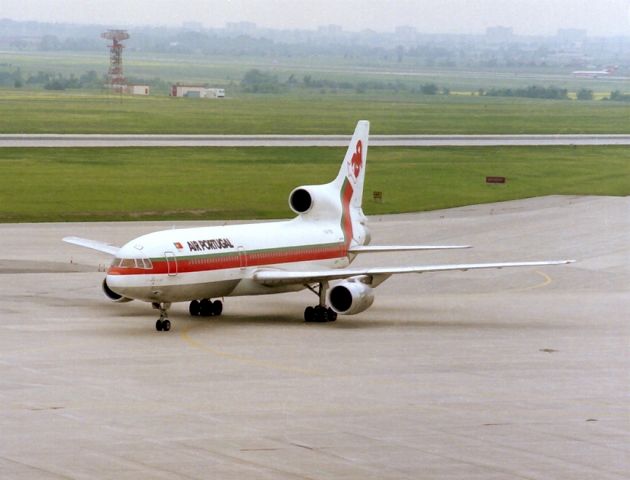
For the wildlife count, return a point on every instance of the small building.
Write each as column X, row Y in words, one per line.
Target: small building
column 196, row 91
column 137, row 89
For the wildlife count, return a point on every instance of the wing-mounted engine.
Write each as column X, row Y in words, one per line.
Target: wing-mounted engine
column 113, row 296
column 315, row 201
column 350, row 297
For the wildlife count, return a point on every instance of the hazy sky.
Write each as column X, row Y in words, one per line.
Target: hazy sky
column 599, row 17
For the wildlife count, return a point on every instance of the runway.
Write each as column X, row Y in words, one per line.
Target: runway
column 513, row 373
column 98, row 140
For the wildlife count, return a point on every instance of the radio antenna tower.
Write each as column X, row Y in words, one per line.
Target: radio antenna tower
column 115, row 78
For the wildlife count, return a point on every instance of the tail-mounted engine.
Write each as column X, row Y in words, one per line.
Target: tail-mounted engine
column 350, row 297
column 300, row 200
column 315, row 200
column 113, row 296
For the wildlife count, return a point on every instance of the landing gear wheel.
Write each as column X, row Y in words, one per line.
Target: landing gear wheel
column 217, row 307
column 162, row 324
column 205, row 308
column 319, row 314
column 194, row 308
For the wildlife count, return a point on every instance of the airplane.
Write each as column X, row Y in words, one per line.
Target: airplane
column 595, row 73
column 312, row 251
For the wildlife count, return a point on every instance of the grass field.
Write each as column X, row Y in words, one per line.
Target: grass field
column 312, row 111
column 226, row 183
column 303, row 110
column 389, row 113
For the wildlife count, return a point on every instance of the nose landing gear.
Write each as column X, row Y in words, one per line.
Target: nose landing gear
column 163, row 324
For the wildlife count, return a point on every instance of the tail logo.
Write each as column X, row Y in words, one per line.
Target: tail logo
column 357, row 160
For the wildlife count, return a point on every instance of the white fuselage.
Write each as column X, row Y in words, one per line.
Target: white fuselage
column 186, row 264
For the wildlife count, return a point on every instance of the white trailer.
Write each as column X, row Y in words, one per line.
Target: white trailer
column 196, row 91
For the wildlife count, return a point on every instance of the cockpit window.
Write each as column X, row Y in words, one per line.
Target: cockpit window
column 143, row 263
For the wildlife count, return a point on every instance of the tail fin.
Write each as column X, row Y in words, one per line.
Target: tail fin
column 349, row 184
column 353, row 167
column 341, row 198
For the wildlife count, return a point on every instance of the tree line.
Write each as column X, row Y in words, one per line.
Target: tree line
column 257, row 81
column 50, row 81
column 57, row 81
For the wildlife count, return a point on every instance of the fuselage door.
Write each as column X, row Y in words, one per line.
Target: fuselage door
column 171, row 263
column 242, row 257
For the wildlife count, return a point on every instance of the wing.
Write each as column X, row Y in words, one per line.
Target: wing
column 380, row 274
column 93, row 244
column 402, row 248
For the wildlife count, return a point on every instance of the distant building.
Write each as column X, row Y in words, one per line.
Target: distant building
column 193, row 26
column 406, row 33
column 499, row 34
column 406, row 30
column 330, row 29
column 196, row 91
column 571, row 35
column 241, row 28
column 137, row 89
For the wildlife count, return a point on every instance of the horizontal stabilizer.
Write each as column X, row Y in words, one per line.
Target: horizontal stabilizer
column 93, row 244
column 402, row 248
column 380, row 274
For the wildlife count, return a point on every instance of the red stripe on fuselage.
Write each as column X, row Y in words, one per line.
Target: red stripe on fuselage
column 235, row 259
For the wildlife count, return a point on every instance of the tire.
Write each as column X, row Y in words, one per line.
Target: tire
column 158, row 325
column 309, row 314
column 217, row 307
column 194, row 308
column 166, row 325
column 205, row 308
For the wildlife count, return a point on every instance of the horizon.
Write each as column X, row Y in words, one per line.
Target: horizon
column 193, row 24
column 606, row 18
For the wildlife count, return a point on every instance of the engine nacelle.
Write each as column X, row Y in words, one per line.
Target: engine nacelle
column 300, row 200
column 314, row 199
column 348, row 298
column 113, row 296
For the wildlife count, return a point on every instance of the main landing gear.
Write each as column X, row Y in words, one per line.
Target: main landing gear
column 163, row 324
column 319, row 313
column 205, row 308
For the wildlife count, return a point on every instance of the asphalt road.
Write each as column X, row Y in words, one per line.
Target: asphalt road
column 97, row 140
column 503, row 374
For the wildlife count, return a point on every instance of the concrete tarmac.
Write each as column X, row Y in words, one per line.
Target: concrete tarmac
column 499, row 374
